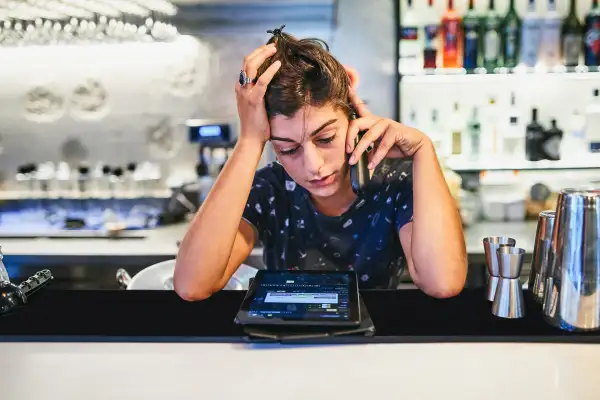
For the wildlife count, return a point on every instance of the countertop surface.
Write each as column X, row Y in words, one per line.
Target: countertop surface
column 427, row 364
column 163, row 241
column 158, row 371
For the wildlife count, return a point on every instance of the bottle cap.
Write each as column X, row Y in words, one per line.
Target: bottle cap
column 201, row 169
column 84, row 170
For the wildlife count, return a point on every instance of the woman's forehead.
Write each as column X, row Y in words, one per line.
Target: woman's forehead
column 304, row 122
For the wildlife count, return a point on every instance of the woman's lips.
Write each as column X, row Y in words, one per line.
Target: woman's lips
column 328, row 180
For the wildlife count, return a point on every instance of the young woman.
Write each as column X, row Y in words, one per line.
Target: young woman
column 295, row 94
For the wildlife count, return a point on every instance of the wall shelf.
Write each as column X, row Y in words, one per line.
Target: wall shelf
column 451, row 75
column 460, row 164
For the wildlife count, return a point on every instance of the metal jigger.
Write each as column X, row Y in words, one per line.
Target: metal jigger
column 508, row 301
column 490, row 245
column 542, row 255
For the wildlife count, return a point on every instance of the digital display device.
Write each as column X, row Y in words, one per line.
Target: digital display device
column 301, row 298
column 206, row 132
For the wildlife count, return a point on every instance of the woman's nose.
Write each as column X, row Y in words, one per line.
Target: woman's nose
column 313, row 160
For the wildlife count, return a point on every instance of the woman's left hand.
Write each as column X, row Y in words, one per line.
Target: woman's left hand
column 388, row 137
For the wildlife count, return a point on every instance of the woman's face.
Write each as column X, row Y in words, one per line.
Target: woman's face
column 311, row 147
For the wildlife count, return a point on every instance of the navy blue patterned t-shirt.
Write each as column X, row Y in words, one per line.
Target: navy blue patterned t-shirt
column 365, row 238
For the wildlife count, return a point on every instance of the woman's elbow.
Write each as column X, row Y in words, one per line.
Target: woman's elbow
column 448, row 284
column 188, row 293
column 445, row 290
column 188, row 289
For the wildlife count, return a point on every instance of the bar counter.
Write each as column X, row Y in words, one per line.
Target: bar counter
column 153, row 345
column 161, row 316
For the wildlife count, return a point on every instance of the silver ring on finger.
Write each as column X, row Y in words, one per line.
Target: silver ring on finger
column 244, row 79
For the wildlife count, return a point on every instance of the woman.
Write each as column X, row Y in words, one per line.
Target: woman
column 302, row 207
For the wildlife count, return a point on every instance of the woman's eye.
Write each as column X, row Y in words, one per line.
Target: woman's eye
column 327, row 140
column 288, row 152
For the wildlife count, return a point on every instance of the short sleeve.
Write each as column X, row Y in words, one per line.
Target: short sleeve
column 258, row 205
column 396, row 175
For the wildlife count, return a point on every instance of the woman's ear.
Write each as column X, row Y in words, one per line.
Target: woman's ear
column 353, row 75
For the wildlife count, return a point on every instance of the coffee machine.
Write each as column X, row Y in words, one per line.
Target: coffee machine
column 215, row 143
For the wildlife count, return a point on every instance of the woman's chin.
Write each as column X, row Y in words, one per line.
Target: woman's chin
column 324, row 192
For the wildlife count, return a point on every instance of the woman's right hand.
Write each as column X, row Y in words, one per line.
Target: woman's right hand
column 250, row 98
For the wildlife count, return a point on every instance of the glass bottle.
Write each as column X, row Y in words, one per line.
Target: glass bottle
column 451, row 38
column 491, row 37
column 471, row 28
column 511, row 30
column 571, row 37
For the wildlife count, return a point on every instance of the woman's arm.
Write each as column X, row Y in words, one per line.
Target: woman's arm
column 434, row 242
column 218, row 240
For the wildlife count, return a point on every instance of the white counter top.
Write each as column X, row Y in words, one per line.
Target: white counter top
column 95, row 371
column 163, row 242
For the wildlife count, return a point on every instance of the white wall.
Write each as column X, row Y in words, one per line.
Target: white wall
column 137, row 81
column 108, row 98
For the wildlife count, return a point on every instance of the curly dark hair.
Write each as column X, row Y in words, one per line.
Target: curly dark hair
column 309, row 75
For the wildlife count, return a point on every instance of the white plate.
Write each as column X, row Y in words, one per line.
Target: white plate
column 160, row 277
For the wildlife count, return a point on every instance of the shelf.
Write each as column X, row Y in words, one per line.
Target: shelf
column 460, row 164
column 451, row 74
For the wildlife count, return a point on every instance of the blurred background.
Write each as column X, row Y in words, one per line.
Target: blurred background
column 117, row 115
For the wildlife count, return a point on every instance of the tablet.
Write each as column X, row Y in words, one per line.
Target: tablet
column 309, row 298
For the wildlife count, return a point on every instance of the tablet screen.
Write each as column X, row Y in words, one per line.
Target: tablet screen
column 306, row 296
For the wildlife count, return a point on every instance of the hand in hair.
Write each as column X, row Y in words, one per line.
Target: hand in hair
column 254, row 123
column 390, row 139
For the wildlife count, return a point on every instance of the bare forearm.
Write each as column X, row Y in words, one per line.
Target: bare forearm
column 437, row 242
column 206, row 247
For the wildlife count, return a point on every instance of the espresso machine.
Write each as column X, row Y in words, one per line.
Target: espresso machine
column 215, row 144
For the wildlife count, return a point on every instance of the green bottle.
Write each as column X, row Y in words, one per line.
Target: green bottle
column 572, row 37
column 512, row 32
column 491, row 38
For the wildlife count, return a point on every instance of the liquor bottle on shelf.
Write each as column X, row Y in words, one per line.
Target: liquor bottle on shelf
column 571, row 37
column 551, row 142
column 550, row 39
column 410, row 50
column 514, row 132
column 592, row 36
column 435, row 132
column 451, row 38
column 592, row 123
column 492, row 132
column 511, row 30
column 457, row 126
column 573, row 145
column 491, row 38
column 530, row 36
column 534, row 136
column 412, row 119
column 472, row 42
column 431, row 28
column 474, row 134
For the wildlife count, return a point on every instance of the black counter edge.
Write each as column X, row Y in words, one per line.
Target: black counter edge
column 562, row 339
